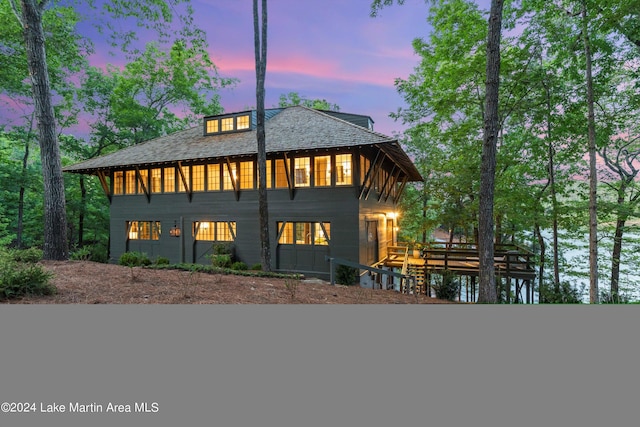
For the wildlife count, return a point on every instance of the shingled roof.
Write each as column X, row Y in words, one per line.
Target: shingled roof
column 293, row 129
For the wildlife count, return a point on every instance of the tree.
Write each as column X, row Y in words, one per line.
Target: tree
column 294, row 98
column 55, row 220
column 260, row 45
column 487, row 287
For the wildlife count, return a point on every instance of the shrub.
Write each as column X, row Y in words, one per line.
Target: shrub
column 19, row 279
column 447, row 289
column 162, row 261
column 239, row 265
column 221, row 260
column 134, row 259
column 346, row 275
column 81, row 254
column 257, row 267
column 31, row 255
column 566, row 294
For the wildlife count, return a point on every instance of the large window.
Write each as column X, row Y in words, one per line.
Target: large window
column 226, row 124
column 169, row 180
column 304, row 233
column 322, row 171
column 156, row 180
column 227, row 177
column 281, row 174
column 213, row 177
column 220, row 231
column 118, row 182
column 143, row 230
column 302, row 171
column 242, row 122
column 246, row 175
column 130, row 182
column 185, row 172
column 343, row 169
column 197, row 180
column 213, row 126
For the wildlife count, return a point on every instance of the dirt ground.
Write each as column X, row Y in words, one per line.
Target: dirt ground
column 84, row 282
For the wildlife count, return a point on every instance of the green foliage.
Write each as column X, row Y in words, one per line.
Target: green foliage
column 239, row 265
column 447, row 288
column 134, row 259
column 566, row 294
column 221, row 261
column 256, row 267
column 294, row 98
column 162, row 261
column 95, row 253
column 21, row 276
column 346, row 275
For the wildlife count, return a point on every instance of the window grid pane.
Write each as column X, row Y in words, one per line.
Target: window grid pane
column 243, row 122
column 185, row 171
column 343, row 169
column 169, row 180
column 118, row 182
column 205, row 230
column 228, row 185
column 156, row 180
column 198, row 178
column 212, row 126
column 246, row 175
column 213, row 177
column 227, row 124
column 322, row 171
column 130, row 182
column 281, row 174
column 302, row 171
column 286, row 237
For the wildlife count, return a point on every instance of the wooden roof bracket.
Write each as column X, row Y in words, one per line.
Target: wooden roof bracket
column 287, row 170
column 405, row 179
column 236, row 188
column 145, row 186
column 378, row 165
column 383, row 191
column 393, row 184
column 365, row 187
column 184, row 181
column 103, row 182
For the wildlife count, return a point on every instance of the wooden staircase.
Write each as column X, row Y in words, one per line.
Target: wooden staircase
column 417, row 271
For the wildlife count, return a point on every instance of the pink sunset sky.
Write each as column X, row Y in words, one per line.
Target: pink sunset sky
column 326, row 49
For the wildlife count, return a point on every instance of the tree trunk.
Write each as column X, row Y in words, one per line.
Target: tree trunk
column 83, row 208
column 21, row 191
column 260, row 45
column 543, row 249
column 617, row 244
column 593, row 178
column 487, row 289
column 55, row 218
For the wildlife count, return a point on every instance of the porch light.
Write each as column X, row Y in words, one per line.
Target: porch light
column 175, row 230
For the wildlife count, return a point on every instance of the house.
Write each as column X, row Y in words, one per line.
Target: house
column 333, row 187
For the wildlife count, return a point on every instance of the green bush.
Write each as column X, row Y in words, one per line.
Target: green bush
column 221, row 260
column 81, row 254
column 239, row 265
column 23, row 278
column 346, row 275
column 134, row 259
column 447, row 289
column 162, row 261
column 31, row 255
column 257, row 267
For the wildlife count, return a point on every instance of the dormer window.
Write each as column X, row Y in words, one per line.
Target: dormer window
column 225, row 124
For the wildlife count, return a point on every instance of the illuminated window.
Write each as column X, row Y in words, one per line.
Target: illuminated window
column 226, row 124
column 144, row 180
column 143, row 230
column 186, row 173
column 225, row 231
column 212, row 126
column 321, row 233
column 156, row 180
column 269, row 183
column 169, row 180
column 213, row 177
column 302, row 171
column 286, row 233
column 304, row 233
column 204, row 230
column 130, row 182
column 281, row 174
column 118, row 182
column 197, row 180
column 343, row 169
column 322, row 171
column 242, row 122
column 227, row 177
column 364, row 168
column 246, row 175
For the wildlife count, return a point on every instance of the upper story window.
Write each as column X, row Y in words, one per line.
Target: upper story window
column 233, row 123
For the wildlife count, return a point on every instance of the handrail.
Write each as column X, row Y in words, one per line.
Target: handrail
column 332, row 268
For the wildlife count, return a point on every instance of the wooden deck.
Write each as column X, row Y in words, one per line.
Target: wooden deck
column 510, row 261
